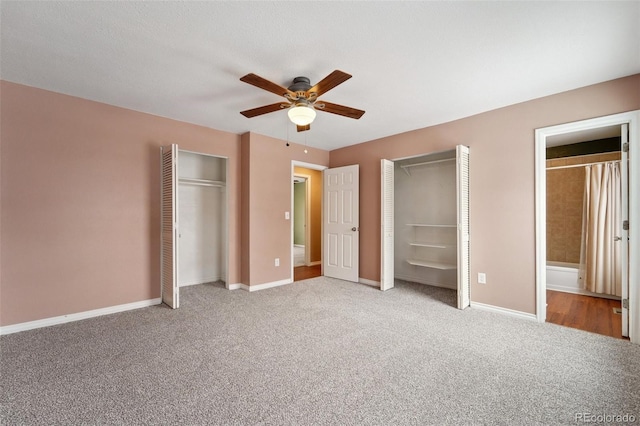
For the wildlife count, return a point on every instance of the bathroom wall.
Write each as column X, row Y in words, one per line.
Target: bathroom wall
column 314, row 245
column 299, row 207
column 565, row 191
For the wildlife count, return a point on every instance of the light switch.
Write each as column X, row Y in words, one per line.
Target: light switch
column 286, row 215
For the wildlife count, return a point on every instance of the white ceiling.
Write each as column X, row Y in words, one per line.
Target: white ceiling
column 414, row 64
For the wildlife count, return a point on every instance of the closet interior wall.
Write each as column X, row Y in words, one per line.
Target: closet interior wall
column 425, row 220
column 202, row 218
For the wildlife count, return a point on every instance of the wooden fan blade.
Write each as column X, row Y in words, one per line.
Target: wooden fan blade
column 265, row 84
column 329, row 82
column 304, row 128
column 338, row 109
column 264, row 110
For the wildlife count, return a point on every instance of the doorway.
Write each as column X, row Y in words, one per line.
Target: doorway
column 630, row 134
column 194, row 237
column 584, row 272
column 425, row 221
column 306, row 223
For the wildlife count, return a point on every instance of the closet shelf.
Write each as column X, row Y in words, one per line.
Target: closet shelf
column 431, row 264
column 432, row 225
column 432, row 245
column 201, row 182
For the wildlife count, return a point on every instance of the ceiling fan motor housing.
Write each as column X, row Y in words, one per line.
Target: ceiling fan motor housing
column 300, row 84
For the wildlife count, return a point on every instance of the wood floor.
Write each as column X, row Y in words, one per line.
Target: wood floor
column 306, row 272
column 587, row 313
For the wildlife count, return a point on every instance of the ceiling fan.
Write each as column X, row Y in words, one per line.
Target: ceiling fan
column 302, row 99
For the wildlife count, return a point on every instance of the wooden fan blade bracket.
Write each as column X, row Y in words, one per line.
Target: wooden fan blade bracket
column 303, row 128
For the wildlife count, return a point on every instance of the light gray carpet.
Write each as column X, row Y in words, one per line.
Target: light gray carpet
column 320, row 351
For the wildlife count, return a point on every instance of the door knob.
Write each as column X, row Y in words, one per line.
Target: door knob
column 617, row 238
column 354, row 229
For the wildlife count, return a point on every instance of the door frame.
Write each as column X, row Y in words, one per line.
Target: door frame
column 461, row 288
column 312, row 166
column 225, row 219
column 632, row 118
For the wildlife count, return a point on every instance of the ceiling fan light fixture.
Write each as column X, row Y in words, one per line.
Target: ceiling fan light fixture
column 302, row 115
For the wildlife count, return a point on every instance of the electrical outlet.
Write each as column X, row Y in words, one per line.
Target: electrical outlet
column 277, row 261
column 482, row 278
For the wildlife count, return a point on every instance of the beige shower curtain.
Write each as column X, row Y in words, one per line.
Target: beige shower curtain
column 600, row 254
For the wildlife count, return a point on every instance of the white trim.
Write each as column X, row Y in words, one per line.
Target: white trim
column 263, row 286
column 47, row 322
column 541, row 135
column 317, row 262
column 369, row 282
column 236, row 286
column 503, row 311
column 308, row 165
column 201, row 281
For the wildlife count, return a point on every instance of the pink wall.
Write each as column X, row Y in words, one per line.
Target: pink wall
column 502, row 183
column 80, row 185
column 267, row 198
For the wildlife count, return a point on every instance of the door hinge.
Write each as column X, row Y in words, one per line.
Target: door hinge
column 625, row 225
column 625, row 303
column 625, row 147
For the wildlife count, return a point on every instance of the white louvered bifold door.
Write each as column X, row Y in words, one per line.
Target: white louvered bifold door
column 386, row 222
column 169, row 243
column 462, row 196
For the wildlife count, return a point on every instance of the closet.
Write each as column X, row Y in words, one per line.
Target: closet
column 193, row 220
column 425, row 221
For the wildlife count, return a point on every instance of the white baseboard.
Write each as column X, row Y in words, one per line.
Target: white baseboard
column 47, row 322
column 201, row 281
column 237, row 286
column 299, row 245
column 317, row 262
column 257, row 287
column 574, row 290
column 369, row 282
column 504, row 311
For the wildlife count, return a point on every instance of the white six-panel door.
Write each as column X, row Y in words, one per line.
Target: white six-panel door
column 341, row 223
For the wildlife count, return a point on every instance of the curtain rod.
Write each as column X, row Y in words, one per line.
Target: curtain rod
column 582, row 165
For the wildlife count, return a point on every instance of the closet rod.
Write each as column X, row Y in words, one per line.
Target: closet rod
column 582, row 165
column 201, row 182
column 427, row 162
column 407, row 166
